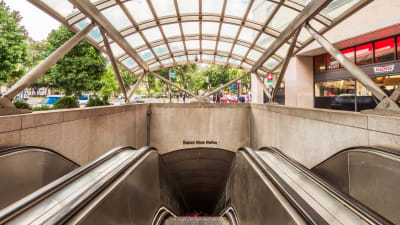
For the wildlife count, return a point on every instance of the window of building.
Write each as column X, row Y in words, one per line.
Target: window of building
column 332, row 63
column 384, row 50
column 349, row 53
column 364, row 54
column 334, row 88
column 320, row 63
column 398, row 47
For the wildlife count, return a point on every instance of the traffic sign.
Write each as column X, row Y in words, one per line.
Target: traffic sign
column 239, row 81
column 173, row 74
column 232, row 87
column 269, row 78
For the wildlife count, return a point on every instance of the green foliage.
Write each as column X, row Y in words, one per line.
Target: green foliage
column 13, row 49
column 20, row 104
column 128, row 79
column 97, row 101
column 66, row 102
column 110, row 84
column 80, row 70
column 42, row 108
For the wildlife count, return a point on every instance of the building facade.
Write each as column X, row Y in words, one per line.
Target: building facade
column 370, row 38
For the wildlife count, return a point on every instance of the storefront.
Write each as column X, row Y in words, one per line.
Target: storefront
column 335, row 88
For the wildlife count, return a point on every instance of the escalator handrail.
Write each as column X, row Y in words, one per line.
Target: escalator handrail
column 161, row 214
column 305, row 210
column 15, row 149
column 368, row 148
column 353, row 203
column 231, row 215
column 27, row 202
column 71, row 210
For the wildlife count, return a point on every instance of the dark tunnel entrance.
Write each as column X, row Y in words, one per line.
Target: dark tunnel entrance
column 201, row 174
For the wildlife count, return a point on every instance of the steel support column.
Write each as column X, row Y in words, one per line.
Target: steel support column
column 136, row 86
column 265, row 89
column 285, row 65
column 114, row 64
column 173, row 84
column 46, row 64
column 224, row 86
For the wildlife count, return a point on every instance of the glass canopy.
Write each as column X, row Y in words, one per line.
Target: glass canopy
column 165, row 33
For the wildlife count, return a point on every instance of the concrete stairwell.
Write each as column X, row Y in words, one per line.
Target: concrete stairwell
column 196, row 221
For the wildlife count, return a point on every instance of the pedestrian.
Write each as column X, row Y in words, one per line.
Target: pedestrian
column 218, row 98
column 184, row 97
column 177, row 97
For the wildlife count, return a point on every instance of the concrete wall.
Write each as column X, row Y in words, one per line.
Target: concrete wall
column 312, row 135
column 80, row 134
column 226, row 124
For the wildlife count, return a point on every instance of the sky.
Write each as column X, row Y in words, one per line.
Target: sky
column 36, row 22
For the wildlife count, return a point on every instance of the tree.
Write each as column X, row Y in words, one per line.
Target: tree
column 13, row 49
column 80, row 70
column 150, row 83
column 36, row 51
column 110, row 84
column 128, row 79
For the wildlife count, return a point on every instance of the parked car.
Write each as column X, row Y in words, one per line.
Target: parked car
column 83, row 100
column 50, row 100
column 137, row 99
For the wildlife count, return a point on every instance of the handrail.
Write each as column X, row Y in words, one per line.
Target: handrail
column 231, row 214
column 161, row 214
column 355, row 204
column 27, row 202
column 370, row 148
column 14, row 149
column 305, row 210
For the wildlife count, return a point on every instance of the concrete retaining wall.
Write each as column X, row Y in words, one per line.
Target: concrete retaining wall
column 312, row 135
column 80, row 134
column 307, row 135
column 224, row 126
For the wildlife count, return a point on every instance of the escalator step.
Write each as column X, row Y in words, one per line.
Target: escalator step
column 196, row 221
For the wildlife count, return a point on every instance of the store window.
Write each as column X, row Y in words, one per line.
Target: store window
column 320, row 63
column 384, row 50
column 332, row 63
column 349, row 53
column 398, row 47
column 364, row 55
column 334, row 88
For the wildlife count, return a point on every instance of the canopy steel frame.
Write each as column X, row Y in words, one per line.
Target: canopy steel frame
column 114, row 64
column 136, row 86
column 173, row 84
column 385, row 101
column 223, row 86
column 265, row 89
column 285, row 64
column 312, row 9
column 91, row 11
column 46, row 64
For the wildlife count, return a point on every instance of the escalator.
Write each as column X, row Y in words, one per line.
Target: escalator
column 129, row 186
column 25, row 169
column 369, row 174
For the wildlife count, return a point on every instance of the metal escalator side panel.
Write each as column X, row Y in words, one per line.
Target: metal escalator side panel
column 64, row 203
column 355, row 206
column 372, row 176
column 255, row 199
column 25, row 169
column 332, row 210
column 29, row 201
